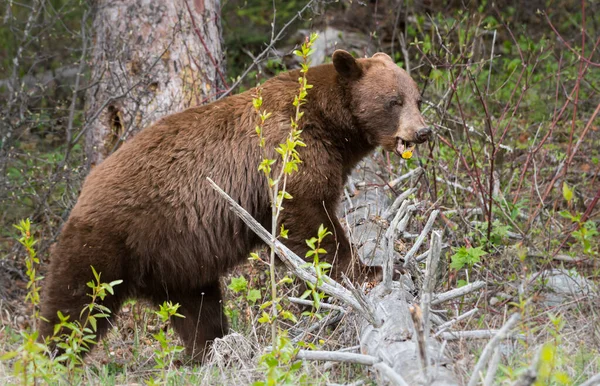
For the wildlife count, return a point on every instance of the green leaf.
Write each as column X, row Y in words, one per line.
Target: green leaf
column 567, row 192
column 253, row 295
column 9, row 355
column 283, row 232
column 289, row 316
column 238, row 284
column 264, row 318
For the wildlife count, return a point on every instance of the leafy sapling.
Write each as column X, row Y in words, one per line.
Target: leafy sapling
column 321, row 269
column 466, row 257
column 166, row 353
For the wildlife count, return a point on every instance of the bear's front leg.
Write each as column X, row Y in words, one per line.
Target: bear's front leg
column 203, row 321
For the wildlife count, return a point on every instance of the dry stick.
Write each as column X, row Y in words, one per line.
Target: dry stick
column 435, row 250
column 337, row 356
column 443, row 327
column 424, row 255
column 595, row 380
column 415, row 172
column 365, row 303
column 492, row 368
column 305, row 302
column 489, row 348
column 421, row 237
column 476, row 334
column 392, row 376
column 457, row 292
column 417, row 318
column 361, row 359
column 293, row 261
column 390, row 237
column 397, row 202
column 330, row 319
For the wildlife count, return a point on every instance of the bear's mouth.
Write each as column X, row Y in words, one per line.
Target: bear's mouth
column 402, row 146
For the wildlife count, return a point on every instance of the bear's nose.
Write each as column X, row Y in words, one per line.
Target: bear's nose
column 423, row 134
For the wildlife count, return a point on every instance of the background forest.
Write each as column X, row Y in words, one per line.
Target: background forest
column 510, row 181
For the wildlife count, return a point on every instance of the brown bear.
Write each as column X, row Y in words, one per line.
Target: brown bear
column 148, row 216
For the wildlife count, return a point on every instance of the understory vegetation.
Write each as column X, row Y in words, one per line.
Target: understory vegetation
column 512, row 92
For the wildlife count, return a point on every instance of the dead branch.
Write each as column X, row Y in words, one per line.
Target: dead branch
column 592, row 381
column 305, row 302
column 293, row 261
column 450, row 323
column 421, row 238
column 489, row 348
column 457, row 292
column 476, row 334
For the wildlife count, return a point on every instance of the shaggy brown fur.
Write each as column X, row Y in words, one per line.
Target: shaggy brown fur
column 147, row 215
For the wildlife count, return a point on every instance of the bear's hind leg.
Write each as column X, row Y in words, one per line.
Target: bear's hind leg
column 70, row 300
column 204, row 319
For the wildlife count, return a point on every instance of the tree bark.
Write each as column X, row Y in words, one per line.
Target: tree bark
column 150, row 58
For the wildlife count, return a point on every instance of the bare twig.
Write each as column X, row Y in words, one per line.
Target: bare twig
column 429, row 280
column 390, row 237
column 392, row 376
column 492, row 368
column 397, row 202
column 421, row 238
column 266, row 50
column 457, row 292
column 305, row 302
column 489, row 348
column 337, row 356
column 365, row 303
column 443, row 327
column 417, row 318
column 361, row 359
column 595, row 380
column 476, row 334
column 413, row 173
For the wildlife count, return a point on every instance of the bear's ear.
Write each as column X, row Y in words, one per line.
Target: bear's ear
column 346, row 65
column 383, row 56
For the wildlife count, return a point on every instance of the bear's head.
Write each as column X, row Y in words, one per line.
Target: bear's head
column 384, row 99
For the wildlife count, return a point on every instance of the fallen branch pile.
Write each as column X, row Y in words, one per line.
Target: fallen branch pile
column 401, row 336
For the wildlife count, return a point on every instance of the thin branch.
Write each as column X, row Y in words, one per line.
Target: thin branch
column 476, row 334
column 395, row 378
column 492, row 368
column 361, row 359
column 429, row 281
column 595, row 380
column 305, row 302
column 491, row 346
column 457, row 292
column 417, row 318
column 337, row 356
column 421, row 238
column 271, row 44
column 443, row 327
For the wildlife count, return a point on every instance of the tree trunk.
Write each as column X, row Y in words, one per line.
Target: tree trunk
column 150, row 58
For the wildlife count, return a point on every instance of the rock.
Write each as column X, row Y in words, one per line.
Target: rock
column 565, row 285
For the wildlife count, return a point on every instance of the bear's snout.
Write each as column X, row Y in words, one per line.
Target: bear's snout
column 423, row 135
